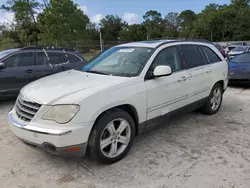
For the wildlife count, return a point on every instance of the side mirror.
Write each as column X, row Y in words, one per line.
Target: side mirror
column 162, row 70
column 2, row 66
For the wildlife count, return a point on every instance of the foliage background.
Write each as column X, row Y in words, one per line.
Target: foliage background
column 63, row 23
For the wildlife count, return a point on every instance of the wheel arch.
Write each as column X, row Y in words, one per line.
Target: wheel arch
column 130, row 109
column 221, row 82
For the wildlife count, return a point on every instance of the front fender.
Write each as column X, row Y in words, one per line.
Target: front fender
column 96, row 104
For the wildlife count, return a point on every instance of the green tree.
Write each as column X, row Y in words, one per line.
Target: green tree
column 91, row 32
column 154, row 24
column 25, row 10
column 111, row 26
column 136, row 32
column 187, row 19
column 61, row 21
column 240, row 3
column 173, row 20
column 25, row 13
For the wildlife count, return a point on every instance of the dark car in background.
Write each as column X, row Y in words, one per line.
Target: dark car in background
column 239, row 68
column 18, row 67
column 221, row 49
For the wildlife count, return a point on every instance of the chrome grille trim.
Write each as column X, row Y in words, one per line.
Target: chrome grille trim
column 25, row 109
column 20, row 106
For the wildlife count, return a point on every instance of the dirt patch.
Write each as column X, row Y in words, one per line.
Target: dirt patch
column 194, row 150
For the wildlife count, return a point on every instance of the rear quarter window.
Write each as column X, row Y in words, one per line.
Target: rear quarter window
column 57, row 57
column 211, row 55
column 73, row 58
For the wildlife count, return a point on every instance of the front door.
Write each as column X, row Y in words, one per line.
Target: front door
column 168, row 93
column 18, row 72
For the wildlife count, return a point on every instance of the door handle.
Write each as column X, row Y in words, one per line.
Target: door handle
column 181, row 79
column 28, row 71
column 209, row 70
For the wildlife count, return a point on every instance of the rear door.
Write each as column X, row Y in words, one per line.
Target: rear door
column 43, row 68
column 18, row 72
column 218, row 68
column 199, row 70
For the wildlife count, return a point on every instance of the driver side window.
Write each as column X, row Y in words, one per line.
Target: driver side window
column 168, row 56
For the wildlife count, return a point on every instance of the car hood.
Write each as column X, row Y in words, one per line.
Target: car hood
column 68, row 87
column 235, row 53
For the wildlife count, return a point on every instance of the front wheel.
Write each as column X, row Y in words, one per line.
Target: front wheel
column 112, row 136
column 214, row 101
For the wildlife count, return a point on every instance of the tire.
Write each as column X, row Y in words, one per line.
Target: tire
column 209, row 108
column 107, row 129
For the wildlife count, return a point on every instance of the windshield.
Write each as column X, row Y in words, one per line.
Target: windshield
column 120, row 61
column 7, row 52
column 239, row 49
column 242, row 58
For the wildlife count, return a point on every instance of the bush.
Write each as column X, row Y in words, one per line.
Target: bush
column 7, row 43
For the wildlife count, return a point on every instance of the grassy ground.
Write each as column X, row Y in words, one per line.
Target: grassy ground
column 91, row 54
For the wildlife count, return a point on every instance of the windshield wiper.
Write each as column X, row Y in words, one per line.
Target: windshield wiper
column 96, row 72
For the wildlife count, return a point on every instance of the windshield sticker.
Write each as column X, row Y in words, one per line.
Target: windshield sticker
column 127, row 50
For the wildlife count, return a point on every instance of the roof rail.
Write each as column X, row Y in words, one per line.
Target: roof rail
column 46, row 48
column 31, row 48
column 199, row 40
column 57, row 48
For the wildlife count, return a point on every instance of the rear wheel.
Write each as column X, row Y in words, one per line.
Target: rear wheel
column 214, row 101
column 112, row 136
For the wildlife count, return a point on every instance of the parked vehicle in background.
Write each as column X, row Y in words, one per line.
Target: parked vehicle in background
column 240, row 43
column 237, row 50
column 234, row 45
column 18, row 67
column 221, row 49
column 239, row 68
column 122, row 92
column 230, row 47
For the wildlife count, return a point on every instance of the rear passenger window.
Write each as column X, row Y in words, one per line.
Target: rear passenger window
column 56, row 57
column 41, row 58
column 211, row 55
column 73, row 58
column 192, row 56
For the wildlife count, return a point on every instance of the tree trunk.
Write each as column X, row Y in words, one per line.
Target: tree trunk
column 211, row 36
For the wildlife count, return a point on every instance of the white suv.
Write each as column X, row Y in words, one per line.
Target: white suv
column 121, row 93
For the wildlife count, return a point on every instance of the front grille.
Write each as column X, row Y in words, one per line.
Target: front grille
column 26, row 110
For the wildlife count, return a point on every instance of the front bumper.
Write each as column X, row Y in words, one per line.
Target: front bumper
column 238, row 77
column 239, row 80
column 66, row 142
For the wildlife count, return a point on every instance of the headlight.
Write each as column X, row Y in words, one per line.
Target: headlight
column 61, row 113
